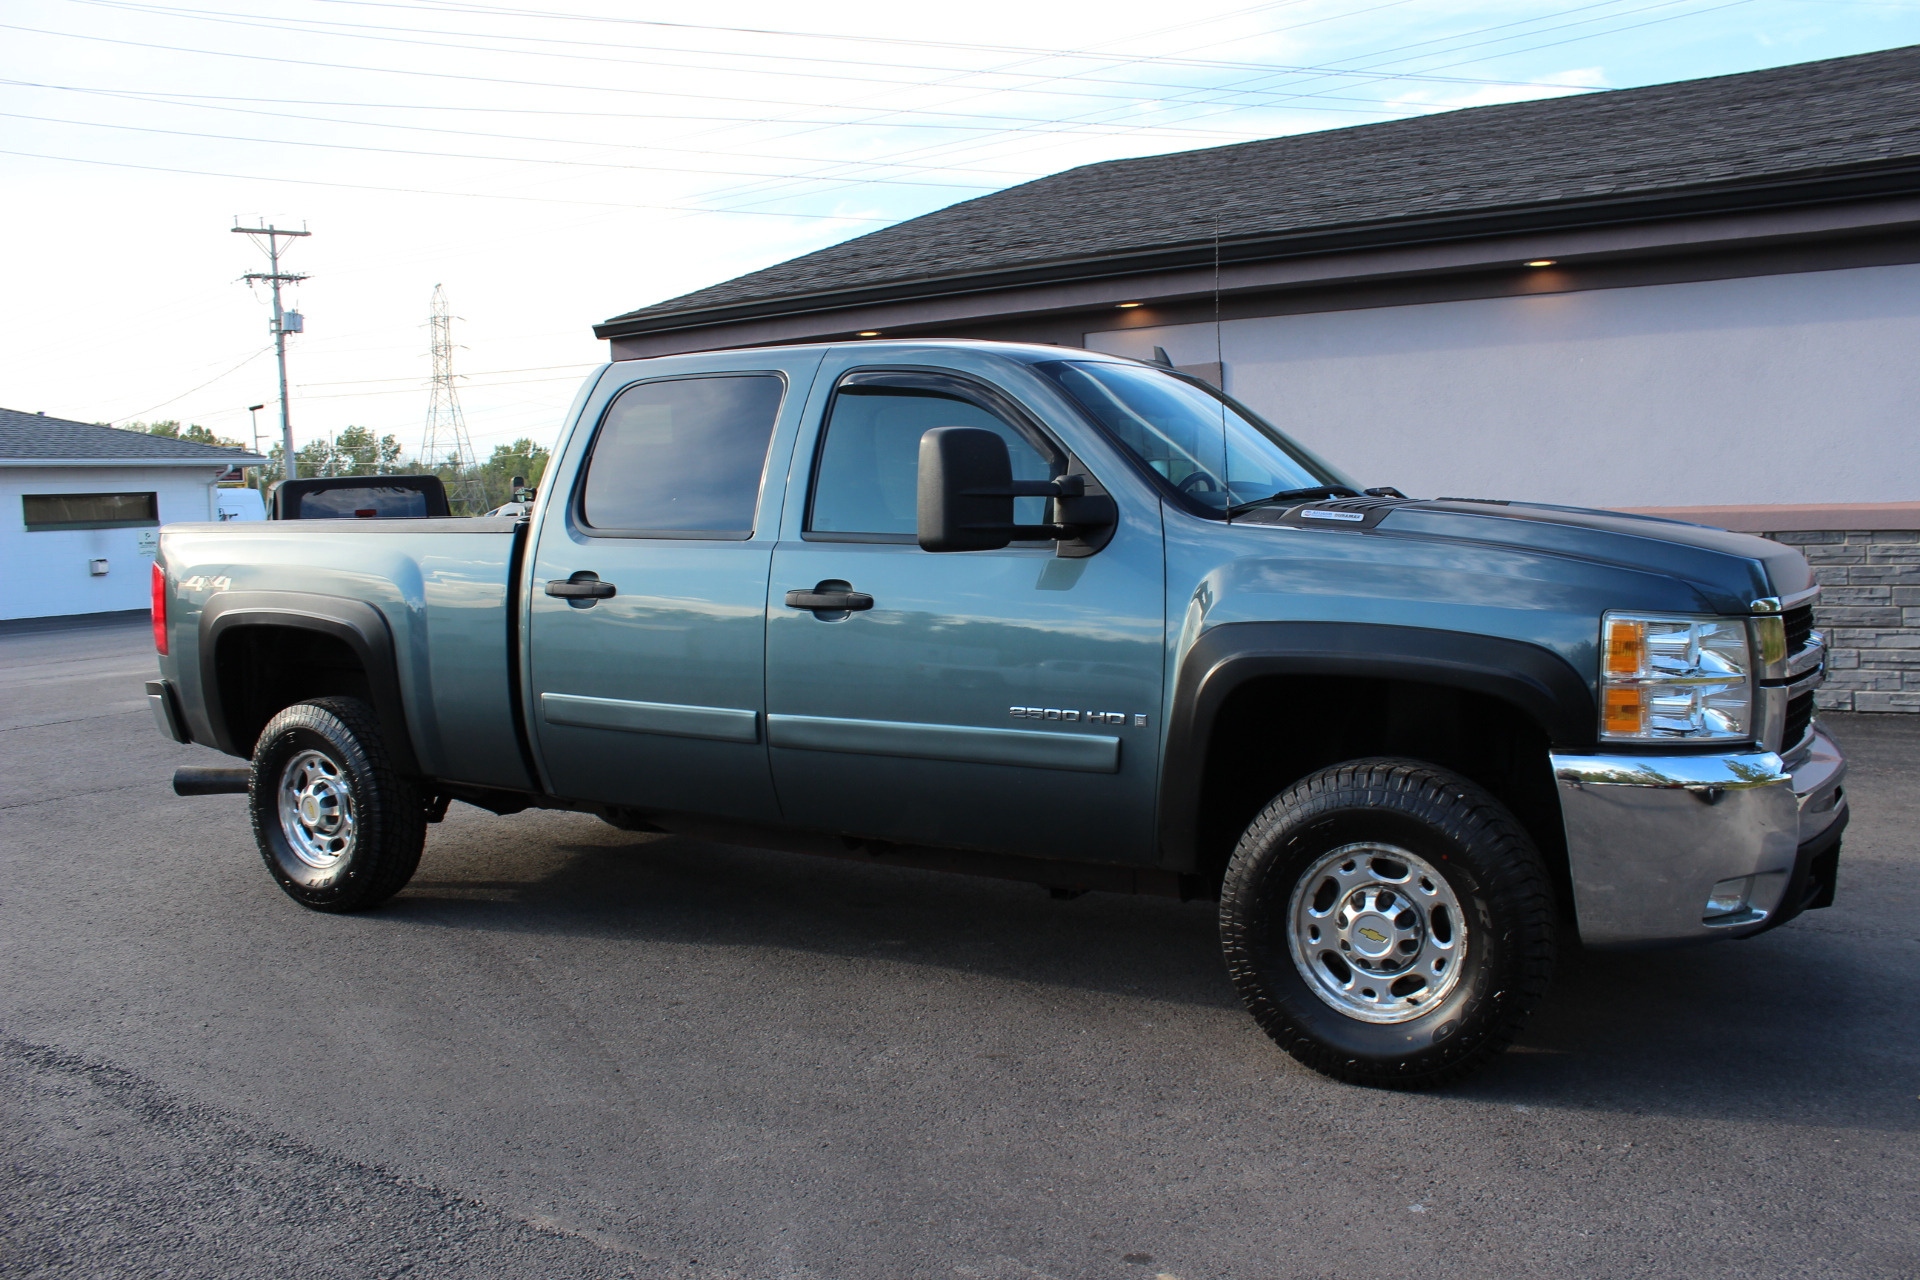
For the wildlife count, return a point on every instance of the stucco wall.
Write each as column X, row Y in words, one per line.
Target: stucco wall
column 46, row 573
column 1801, row 388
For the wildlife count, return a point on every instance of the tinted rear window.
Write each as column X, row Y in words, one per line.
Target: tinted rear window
column 374, row 501
column 683, row 456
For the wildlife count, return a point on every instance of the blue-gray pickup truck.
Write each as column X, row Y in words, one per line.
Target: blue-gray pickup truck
column 1054, row 616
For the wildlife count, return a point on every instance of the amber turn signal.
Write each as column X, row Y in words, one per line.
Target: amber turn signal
column 1626, row 647
column 1625, row 703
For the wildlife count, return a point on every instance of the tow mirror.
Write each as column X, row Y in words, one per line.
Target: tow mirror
column 966, row 493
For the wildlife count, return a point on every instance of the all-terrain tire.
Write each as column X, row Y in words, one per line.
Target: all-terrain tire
column 1475, row 941
column 338, row 828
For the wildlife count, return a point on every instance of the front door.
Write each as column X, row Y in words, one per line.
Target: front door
column 648, row 594
column 1000, row 700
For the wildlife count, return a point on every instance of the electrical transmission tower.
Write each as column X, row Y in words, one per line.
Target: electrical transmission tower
column 446, row 442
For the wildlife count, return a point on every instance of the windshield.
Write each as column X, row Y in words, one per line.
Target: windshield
column 1208, row 448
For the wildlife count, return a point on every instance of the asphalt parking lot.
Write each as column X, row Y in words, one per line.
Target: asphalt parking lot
column 571, row 1051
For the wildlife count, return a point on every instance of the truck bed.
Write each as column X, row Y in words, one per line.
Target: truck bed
column 445, row 589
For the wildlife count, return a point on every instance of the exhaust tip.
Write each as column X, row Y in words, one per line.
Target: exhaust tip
column 200, row 780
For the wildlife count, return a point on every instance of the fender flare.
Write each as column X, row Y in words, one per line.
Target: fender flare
column 1537, row 681
column 358, row 625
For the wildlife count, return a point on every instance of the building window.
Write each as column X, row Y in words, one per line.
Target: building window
column 46, row 511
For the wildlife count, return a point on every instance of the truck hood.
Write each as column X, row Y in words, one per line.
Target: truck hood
column 1729, row 569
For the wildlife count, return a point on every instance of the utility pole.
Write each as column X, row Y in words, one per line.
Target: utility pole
column 280, row 326
column 446, row 424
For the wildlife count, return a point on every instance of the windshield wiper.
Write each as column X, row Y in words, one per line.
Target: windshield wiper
column 1293, row 495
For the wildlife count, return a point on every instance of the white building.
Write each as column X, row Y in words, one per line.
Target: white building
column 81, row 508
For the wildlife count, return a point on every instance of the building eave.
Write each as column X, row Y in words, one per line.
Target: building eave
column 211, row 464
column 1822, row 186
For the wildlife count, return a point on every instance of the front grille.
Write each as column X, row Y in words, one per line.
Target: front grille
column 1799, row 720
column 1799, row 623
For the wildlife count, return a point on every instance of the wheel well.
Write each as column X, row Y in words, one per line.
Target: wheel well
column 264, row 669
column 1275, row 730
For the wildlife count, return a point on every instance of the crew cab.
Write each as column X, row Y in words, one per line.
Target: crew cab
column 1060, row 617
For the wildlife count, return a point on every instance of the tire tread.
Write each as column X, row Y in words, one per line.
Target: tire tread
column 393, row 823
column 1514, row 874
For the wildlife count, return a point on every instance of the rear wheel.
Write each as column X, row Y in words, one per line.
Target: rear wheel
column 338, row 828
column 1388, row 922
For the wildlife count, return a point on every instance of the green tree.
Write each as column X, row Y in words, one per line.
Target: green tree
column 360, row 453
column 521, row 458
column 356, row 451
column 173, row 430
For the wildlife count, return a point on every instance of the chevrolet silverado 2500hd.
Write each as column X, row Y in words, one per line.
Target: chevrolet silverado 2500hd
column 1058, row 616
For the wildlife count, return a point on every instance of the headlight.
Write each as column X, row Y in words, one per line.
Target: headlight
column 1665, row 678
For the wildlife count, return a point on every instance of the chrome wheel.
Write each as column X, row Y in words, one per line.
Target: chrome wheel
column 316, row 810
column 1377, row 932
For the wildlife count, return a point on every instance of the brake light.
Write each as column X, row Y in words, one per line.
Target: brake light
column 159, row 609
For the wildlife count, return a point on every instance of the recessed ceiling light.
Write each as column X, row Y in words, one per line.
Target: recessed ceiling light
column 1543, row 262
column 1125, row 305
column 869, row 333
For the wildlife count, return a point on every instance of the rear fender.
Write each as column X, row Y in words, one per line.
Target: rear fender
column 354, row 623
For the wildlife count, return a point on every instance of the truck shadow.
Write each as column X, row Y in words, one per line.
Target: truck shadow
column 1788, row 1025
column 681, row 891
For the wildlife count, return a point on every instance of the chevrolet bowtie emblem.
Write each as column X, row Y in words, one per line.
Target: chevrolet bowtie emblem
column 1371, row 936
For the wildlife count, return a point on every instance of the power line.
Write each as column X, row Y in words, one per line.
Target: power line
column 988, row 121
column 786, row 70
column 168, row 99
column 1389, row 77
column 1024, row 51
column 455, row 155
column 415, row 389
column 484, row 373
column 655, row 117
column 202, row 387
column 458, row 195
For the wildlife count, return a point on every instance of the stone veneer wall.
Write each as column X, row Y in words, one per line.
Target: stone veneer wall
column 1870, row 611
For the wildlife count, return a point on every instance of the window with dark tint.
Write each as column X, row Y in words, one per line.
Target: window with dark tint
column 46, row 511
column 867, row 480
column 683, row 456
column 387, row 502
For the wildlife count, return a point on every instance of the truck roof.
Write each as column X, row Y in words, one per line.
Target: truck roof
column 1025, row 352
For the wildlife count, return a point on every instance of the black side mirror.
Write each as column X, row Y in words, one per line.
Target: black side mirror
column 965, row 490
column 966, row 493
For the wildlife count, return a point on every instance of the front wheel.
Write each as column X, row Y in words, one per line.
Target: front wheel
column 338, row 828
column 1388, row 923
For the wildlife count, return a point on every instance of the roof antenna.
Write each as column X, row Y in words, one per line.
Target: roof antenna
column 1220, row 371
column 1161, row 358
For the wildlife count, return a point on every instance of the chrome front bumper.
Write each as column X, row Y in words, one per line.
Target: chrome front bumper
column 1650, row 836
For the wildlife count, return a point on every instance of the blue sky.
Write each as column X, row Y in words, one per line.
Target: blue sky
column 555, row 165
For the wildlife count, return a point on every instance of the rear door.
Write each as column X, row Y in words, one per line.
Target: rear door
column 1000, row 700
column 650, row 694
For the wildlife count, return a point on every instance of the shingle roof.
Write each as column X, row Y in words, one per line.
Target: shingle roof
column 1843, row 115
column 36, row 437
